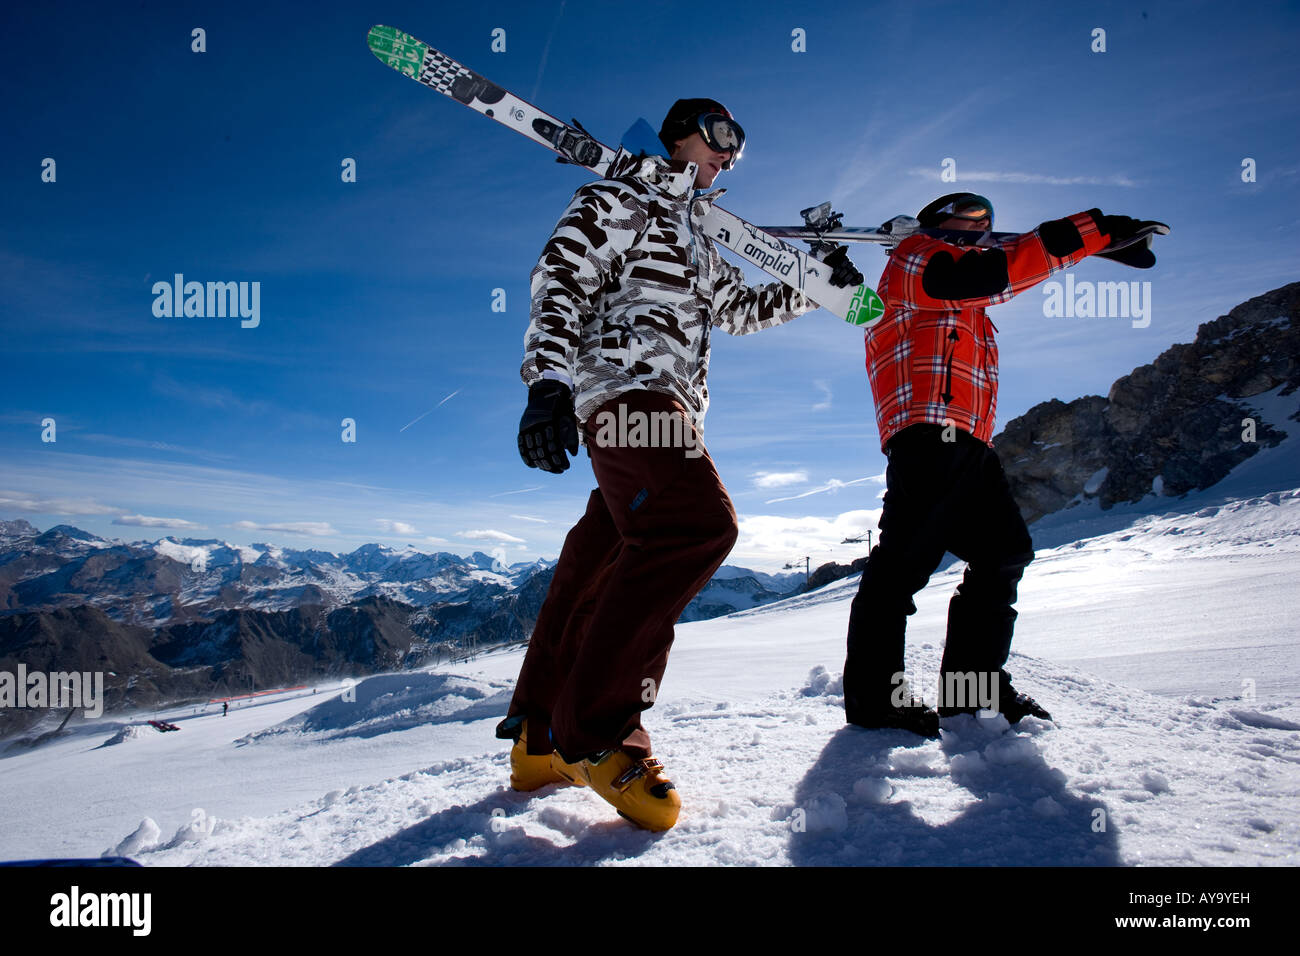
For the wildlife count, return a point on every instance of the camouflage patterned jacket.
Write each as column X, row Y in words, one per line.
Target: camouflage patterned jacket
column 628, row 287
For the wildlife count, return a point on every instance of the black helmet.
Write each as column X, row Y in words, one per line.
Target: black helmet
column 958, row 205
column 711, row 120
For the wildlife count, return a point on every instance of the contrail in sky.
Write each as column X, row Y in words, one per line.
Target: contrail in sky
column 439, row 405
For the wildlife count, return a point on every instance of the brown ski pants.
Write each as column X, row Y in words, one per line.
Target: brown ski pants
column 657, row 526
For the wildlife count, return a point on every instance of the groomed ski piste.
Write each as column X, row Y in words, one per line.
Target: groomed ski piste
column 1162, row 637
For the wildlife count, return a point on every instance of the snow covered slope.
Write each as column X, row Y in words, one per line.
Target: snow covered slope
column 1164, row 647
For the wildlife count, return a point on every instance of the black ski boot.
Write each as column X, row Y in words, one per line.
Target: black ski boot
column 1012, row 704
column 915, row 716
column 1016, row 705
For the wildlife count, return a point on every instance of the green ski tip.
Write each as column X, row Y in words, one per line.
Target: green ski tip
column 403, row 52
column 866, row 307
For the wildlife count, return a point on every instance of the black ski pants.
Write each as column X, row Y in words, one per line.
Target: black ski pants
column 940, row 496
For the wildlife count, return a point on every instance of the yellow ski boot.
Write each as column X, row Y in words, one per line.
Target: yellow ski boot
column 532, row 771
column 638, row 789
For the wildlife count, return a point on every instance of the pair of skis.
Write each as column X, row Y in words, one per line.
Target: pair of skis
column 794, row 266
column 823, row 225
column 765, row 247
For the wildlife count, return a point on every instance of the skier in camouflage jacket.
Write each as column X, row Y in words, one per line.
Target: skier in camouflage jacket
column 629, row 286
column 624, row 298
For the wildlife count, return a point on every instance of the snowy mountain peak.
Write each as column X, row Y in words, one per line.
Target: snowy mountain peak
column 18, row 528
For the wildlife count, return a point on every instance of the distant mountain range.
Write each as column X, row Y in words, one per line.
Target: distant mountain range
column 173, row 580
column 183, row 618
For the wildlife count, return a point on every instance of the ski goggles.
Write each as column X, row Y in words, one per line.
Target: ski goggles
column 722, row 134
column 970, row 208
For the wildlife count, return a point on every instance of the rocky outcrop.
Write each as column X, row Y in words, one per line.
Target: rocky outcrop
column 1174, row 426
column 86, row 640
column 833, row 571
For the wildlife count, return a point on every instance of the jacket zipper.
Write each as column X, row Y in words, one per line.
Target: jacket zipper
column 708, row 324
column 945, row 386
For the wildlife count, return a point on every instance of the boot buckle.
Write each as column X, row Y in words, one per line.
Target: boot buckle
column 641, row 768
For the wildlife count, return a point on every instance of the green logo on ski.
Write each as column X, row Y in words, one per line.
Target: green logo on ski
column 866, row 307
column 403, row 52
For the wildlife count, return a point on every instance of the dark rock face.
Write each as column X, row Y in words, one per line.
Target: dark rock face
column 86, row 640
column 1175, row 425
column 833, row 571
column 245, row 649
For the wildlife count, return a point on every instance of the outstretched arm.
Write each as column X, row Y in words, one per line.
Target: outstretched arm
column 940, row 273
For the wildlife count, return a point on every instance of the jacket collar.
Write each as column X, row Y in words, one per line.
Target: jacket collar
column 673, row 178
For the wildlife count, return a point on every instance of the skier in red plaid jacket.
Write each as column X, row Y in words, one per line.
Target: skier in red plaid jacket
column 932, row 361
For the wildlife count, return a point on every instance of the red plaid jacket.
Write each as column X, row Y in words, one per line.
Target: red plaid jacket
column 932, row 357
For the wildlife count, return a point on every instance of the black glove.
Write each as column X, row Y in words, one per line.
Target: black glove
column 548, row 426
column 1122, row 229
column 843, row 272
column 1118, row 228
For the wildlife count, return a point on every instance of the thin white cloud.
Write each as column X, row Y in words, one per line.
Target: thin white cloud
column 834, row 484
column 826, row 390
column 223, row 399
column 318, row 529
column 883, row 146
column 993, row 176
column 779, row 479
column 229, row 401
column 145, row 521
column 152, row 445
column 38, row 504
column 530, row 518
column 518, row 491
column 490, row 534
column 396, row 527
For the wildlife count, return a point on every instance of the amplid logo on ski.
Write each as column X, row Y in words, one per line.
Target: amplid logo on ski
column 775, row 264
column 74, row 909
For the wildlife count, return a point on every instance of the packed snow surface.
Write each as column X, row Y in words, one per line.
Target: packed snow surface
column 1163, row 644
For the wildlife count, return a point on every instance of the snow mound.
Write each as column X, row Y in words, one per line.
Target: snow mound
column 145, row 837
column 392, row 702
column 128, row 732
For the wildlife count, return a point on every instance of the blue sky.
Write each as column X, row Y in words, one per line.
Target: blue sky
column 376, row 295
